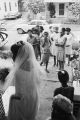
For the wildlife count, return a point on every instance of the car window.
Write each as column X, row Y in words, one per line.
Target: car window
column 33, row 23
column 39, row 23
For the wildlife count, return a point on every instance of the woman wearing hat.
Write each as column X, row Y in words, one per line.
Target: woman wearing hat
column 64, row 90
column 46, row 45
column 61, row 49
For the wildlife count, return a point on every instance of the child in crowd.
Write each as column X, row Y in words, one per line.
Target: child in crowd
column 3, row 73
column 46, row 46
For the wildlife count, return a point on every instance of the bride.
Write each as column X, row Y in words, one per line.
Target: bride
column 25, row 75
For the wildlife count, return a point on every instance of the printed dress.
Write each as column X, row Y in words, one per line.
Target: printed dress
column 2, row 111
column 54, row 48
column 46, row 53
column 61, row 49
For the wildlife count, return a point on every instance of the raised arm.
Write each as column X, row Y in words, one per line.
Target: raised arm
column 8, row 81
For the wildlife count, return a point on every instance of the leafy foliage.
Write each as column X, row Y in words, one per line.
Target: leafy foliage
column 36, row 6
column 74, row 9
column 51, row 8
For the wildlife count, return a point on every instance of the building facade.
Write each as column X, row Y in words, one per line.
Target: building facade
column 8, row 7
column 61, row 7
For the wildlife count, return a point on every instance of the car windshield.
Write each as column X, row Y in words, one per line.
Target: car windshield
column 40, row 23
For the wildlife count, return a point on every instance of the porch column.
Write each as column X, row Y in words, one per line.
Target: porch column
column 56, row 9
column 47, row 15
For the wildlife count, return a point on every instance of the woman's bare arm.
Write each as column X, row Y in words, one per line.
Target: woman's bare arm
column 6, row 84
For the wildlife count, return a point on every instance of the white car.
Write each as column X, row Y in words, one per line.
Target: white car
column 34, row 23
column 21, row 28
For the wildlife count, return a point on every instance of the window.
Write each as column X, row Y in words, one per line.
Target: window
column 5, row 6
column 39, row 23
column 61, row 9
column 10, row 6
column 70, row 3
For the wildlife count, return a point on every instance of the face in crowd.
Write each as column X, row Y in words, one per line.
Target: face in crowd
column 45, row 34
column 68, row 30
column 62, row 31
column 30, row 33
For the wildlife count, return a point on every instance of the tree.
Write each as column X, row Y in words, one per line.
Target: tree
column 20, row 4
column 74, row 8
column 51, row 8
column 36, row 6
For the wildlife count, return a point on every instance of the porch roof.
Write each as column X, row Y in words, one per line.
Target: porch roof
column 61, row 1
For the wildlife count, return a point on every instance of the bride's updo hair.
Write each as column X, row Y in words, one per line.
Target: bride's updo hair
column 15, row 47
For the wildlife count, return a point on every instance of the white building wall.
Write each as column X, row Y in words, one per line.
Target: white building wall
column 57, row 10
column 13, row 10
column 60, row 1
column 65, row 10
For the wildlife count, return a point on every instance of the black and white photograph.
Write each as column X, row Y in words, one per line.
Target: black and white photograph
column 39, row 59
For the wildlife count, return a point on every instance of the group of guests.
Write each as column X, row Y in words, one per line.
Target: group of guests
column 56, row 43
column 62, row 46
column 26, row 77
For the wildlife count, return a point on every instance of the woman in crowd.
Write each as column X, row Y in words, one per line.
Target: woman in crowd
column 61, row 49
column 70, row 40
column 46, row 55
column 54, row 38
column 64, row 90
column 62, row 108
column 25, row 75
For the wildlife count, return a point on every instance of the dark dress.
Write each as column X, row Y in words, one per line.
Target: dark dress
column 67, row 91
column 57, row 113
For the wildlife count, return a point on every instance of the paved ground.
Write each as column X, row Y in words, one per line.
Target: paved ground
column 48, row 86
